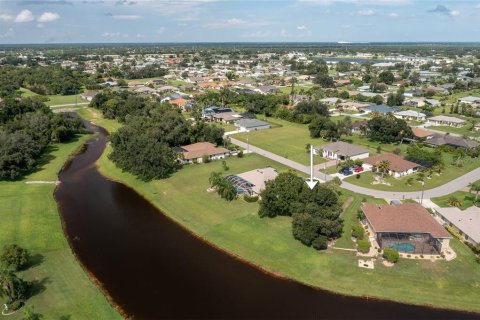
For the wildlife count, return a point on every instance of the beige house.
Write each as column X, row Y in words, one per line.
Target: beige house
column 196, row 152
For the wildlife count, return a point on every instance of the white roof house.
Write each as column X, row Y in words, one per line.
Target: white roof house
column 466, row 221
column 470, row 100
column 446, row 120
column 410, row 114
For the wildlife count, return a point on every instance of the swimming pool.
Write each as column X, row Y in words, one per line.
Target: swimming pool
column 404, row 247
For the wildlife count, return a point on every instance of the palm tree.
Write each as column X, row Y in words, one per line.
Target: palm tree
column 292, row 82
column 409, row 181
column 454, row 202
column 476, row 188
column 215, row 179
column 383, row 167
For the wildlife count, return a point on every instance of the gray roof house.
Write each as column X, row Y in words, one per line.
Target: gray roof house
column 454, row 141
column 467, row 222
column 252, row 124
column 342, row 151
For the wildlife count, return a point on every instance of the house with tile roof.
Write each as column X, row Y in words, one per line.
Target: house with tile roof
column 398, row 167
column 407, row 228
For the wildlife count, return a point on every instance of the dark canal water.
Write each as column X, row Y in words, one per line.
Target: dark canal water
column 154, row 269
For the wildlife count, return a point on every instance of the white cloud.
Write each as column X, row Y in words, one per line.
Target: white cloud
column 126, row 17
column 24, row 16
column 6, row 17
column 161, row 30
column 114, row 35
column 477, row 6
column 8, row 34
column 140, row 36
column 48, row 17
column 454, row 13
column 301, row 28
column 365, row 13
column 40, row 25
column 393, row 15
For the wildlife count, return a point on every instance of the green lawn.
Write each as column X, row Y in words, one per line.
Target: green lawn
column 467, row 199
column 95, row 116
column 464, row 131
column 450, row 173
column 55, row 99
column 236, row 227
column 286, row 139
column 29, row 218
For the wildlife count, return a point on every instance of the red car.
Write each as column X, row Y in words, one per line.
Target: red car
column 358, row 169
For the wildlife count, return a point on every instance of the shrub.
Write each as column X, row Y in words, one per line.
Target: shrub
column 357, row 232
column 357, row 176
column 240, row 154
column 320, row 243
column 225, row 166
column 248, row 198
column 391, row 255
column 360, row 214
column 14, row 257
column 363, row 246
column 477, row 259
column 397, row 151
column 205, row 158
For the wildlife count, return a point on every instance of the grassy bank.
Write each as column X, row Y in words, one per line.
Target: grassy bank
column 29, row 218
column 235, row 227
column 466, row 199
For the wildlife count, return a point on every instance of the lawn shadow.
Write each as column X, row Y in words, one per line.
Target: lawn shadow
column 38, row 286
column 65, row 317
column 35, row 260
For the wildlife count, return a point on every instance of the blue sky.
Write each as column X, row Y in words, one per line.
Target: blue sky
column 80, row 21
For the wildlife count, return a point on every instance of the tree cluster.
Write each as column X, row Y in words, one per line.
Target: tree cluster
column 388, row 129
column 315, row 213
column 27, row 127
column 224, row 187
column 12, row 259
column 423, row 156
column 146, row 145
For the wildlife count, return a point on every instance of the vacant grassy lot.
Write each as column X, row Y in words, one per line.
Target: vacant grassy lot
column 96, row 117
column 466, row 199
column 236, row 227
column 54, row 99
column 29, row 218
column 287, row 139
column 451, row 172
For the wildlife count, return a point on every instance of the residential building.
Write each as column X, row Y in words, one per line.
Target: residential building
column 445, row 121
column 252, row 124
column 342, row 151
column 407, row 227
column 252, row 182
column 420, row 133
column 89, row 95
column 410, row 115
column 398, row 167
column 226, row 117
column 469, row 100
column 359, row 127
column 196, row 152
column 466, row 222
column 384, row 109
column 439, row 139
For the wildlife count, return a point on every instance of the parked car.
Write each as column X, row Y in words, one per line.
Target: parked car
column 346, row 171
column 358, row 169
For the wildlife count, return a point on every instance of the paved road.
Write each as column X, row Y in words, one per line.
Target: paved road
column 69, row 105
column 451, row 186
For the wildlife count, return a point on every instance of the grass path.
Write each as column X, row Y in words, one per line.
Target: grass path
column 30, row 218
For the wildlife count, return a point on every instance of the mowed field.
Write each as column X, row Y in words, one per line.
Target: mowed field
column 235, row 227
column 55, row 99
column 285, row 138
column 29, row 218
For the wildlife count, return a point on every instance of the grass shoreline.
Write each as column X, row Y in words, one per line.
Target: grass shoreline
column 235, row 231
column 31, row 218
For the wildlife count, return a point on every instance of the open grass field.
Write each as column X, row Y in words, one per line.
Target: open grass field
column 466, row 199
column 287, row 139
column 54, row 99
column 29, row 218
column 451, row 172
column 96, row 117
column 236, row 227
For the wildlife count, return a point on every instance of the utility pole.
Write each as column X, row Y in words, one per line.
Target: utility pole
column 423, row 189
